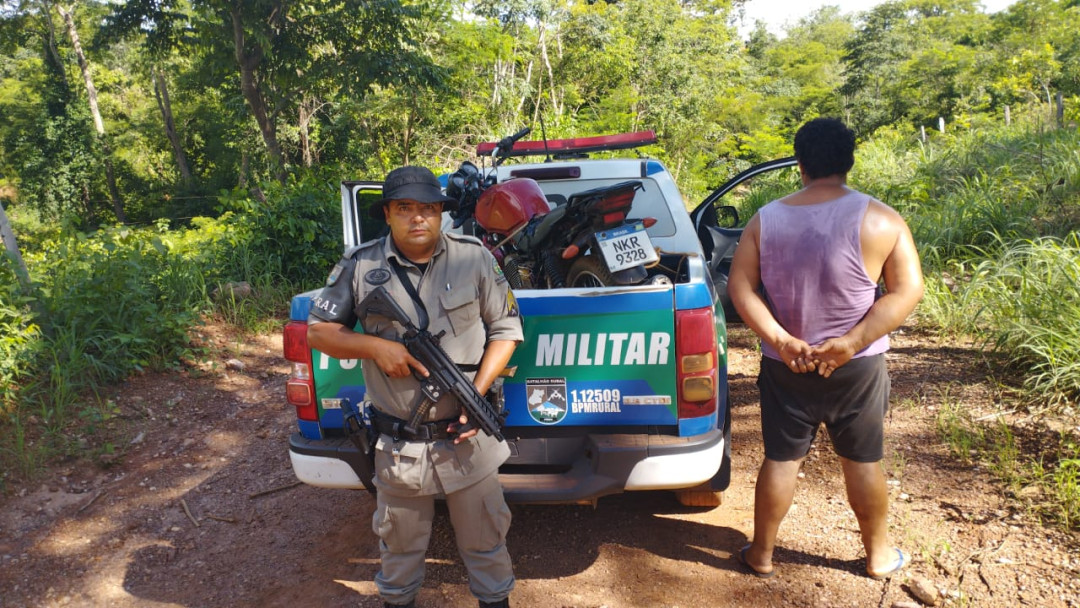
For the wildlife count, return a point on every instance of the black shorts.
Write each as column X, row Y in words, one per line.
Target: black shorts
column 851, row 402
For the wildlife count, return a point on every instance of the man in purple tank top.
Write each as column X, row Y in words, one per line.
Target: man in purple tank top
column 806, row 279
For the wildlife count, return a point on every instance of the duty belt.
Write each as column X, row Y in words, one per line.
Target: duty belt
column 395, row 427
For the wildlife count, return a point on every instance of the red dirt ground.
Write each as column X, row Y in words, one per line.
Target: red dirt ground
column 199, row 509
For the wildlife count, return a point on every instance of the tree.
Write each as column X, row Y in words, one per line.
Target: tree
column 1037, row 48
column 800, row 75
column 909, row 60
column 287, row 52
column 163, row 28
column 47, row 150
column 92, row 99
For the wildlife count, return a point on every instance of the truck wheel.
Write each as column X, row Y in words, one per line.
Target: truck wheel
column 701, row 495
column 589, row 271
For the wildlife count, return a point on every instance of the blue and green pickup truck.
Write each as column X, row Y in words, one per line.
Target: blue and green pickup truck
column 616, row 388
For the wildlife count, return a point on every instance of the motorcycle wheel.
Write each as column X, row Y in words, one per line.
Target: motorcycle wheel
column 589, row 271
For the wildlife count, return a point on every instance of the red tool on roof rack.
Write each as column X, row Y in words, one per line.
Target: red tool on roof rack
column 577, row 145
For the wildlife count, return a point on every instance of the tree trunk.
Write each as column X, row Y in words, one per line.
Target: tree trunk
column 161, row 93
column 539, row 93
column 556, row 105
column 8, row 236
column 374, row 141
column 99, row 125
column 248, row 63
column 407, row 136
column 50, row 43
column 308, row 107
column 525, row 90
column 302, row 127
column 242, row 181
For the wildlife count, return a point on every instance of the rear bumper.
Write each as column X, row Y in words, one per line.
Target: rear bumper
column 608, row 464
column 325, row 463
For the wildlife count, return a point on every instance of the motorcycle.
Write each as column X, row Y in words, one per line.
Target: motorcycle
column 587, row 242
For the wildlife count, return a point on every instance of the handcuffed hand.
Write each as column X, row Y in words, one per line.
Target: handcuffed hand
column 831, row 354
column 797, row 355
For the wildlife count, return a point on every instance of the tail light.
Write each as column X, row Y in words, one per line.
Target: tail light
column 617, row 201
column 696, row 357
column 300, row 387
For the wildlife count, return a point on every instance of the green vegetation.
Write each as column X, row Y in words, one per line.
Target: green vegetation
column 120, row 301
column 1048, row 485
column 211, row 150
column 995, row 214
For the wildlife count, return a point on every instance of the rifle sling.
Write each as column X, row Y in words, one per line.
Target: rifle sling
column 403, row 276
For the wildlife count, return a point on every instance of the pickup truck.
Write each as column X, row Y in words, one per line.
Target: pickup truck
column 616, row 388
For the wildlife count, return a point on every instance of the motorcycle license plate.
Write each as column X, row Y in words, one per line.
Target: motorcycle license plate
column 626, row 246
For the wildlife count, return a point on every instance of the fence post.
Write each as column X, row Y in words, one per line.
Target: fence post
column 1060, row 110
column 922, row 133
column 941, row 124
column 1008, row 116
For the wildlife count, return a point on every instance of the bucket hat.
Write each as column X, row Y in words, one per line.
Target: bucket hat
column 414, row 183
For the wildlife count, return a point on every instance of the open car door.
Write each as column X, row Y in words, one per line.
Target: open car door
column 718, row 228
column 356, row 198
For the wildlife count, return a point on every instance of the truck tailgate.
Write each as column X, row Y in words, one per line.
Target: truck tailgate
column 594, row 358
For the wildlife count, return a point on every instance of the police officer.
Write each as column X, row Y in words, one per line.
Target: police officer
column 452, row 284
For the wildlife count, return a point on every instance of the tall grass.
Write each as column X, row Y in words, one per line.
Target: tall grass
column 995, row 213
column 762, row 189
column 1023, row 299
column 1066, row 485
column 19, row 335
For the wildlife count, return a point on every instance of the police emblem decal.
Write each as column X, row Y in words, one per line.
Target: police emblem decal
column 547, row 399
column 377, row 276
column 334, row 274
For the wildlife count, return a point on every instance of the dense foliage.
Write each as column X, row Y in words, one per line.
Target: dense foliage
column 199, row 96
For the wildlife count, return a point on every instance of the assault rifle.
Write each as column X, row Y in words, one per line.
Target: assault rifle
column 444, row 375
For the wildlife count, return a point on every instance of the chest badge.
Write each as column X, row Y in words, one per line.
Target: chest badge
column 377, row 276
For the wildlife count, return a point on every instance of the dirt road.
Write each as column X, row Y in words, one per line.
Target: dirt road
column 199, row 509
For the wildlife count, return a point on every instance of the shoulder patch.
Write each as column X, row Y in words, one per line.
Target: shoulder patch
column 512, row 309
column 335, row 274
column 377, row 276
column 500, row 278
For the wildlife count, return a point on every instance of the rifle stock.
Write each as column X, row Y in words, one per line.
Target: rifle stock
column 443, row 374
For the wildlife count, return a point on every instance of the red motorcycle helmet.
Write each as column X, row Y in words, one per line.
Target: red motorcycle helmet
column 509, row 205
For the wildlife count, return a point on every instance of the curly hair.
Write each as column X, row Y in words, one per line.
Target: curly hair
column 824, row 147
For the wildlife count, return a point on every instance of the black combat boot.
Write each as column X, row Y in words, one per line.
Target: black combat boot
column 411, row 604
column 503, row 603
